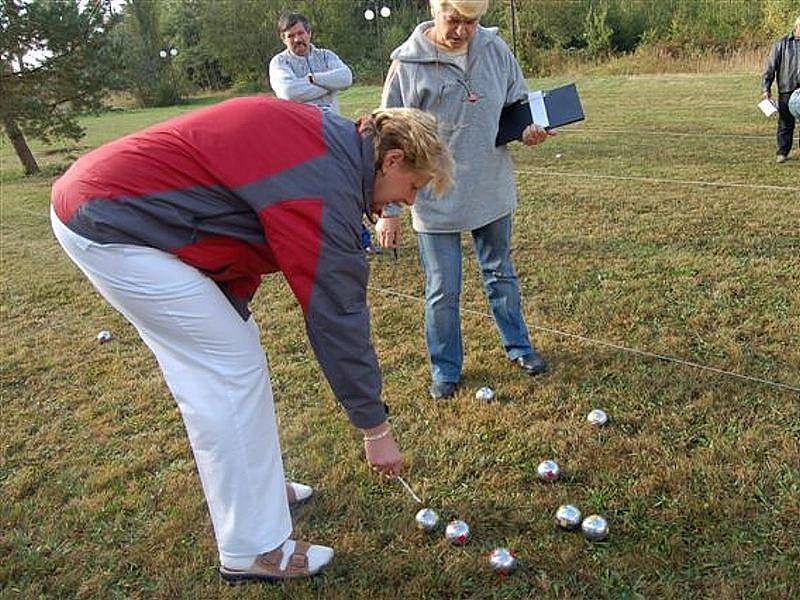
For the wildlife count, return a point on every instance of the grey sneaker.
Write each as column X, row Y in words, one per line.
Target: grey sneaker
column 780, row 158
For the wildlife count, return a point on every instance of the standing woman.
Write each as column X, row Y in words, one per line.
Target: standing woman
column 176, row 224
column 464, row 74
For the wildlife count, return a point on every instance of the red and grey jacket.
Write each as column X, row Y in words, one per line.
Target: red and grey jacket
column 243, row 188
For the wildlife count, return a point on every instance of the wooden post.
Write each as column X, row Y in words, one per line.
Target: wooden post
column 514, row 26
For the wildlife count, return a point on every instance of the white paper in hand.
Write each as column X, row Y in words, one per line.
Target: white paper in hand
column 538, row 109
column 767, row 107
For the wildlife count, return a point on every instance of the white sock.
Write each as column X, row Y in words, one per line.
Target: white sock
column 318, row 556
column 301, row 491
column 239, row 563
column 288, row 548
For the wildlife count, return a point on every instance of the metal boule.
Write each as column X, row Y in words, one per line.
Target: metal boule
column 568, row 517
column 503, row 561
column 427, row 519
column 597, row 417
column 104, row 336
column 485, row 394
column 457, row 532
column 595, row 528
column 548, row 470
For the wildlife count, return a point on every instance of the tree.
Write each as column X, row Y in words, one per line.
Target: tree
column 242, row 35
column 55, row 62
column 196, row 62
column 147, row 54
column 596, row 31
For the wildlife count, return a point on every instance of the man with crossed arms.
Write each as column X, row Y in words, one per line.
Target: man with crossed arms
column 303, row 72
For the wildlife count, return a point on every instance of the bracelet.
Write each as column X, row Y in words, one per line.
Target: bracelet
column 380, row 436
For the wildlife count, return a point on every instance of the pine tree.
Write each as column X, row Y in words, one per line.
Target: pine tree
column 55, row 62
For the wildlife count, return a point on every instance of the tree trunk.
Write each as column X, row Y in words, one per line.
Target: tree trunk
column 21, row 146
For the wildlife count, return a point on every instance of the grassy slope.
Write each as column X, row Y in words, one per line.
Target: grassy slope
column 698, row 474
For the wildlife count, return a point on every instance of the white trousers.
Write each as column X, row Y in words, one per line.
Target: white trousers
column 216, row 369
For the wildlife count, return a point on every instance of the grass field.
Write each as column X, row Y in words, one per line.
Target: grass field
column 698, row 473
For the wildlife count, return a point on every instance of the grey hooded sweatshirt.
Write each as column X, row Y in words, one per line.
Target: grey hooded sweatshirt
column 423, row 76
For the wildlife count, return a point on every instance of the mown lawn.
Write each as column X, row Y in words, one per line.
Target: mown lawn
column 698, row 473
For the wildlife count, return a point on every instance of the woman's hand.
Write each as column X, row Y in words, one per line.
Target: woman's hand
column 388, row 230
column 535, row 134
column 383, row 454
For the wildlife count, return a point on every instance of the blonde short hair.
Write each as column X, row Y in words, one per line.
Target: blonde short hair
column 470, row 9
column 797, row 22
column 416, row 134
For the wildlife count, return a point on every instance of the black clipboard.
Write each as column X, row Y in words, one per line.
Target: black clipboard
column 561, row 106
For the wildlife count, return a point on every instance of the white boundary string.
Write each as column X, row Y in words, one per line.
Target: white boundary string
column 582, row 338
column 742, row 136
column 722, row 184
column 589, row 340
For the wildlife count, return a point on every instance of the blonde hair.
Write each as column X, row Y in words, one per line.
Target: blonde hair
column 416, row 134
column 470, row 9
column 797, row 22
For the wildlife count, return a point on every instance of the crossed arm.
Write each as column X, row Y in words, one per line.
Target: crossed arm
column 289, row 86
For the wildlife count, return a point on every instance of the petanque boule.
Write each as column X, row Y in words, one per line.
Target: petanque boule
column 568, row 517
column 427, row 519
column 794, row 104
column 457, row 532
column 559, row 155
column 597, row 417
column 503, row 561
column 104, row 336
column 548, row 470
column 595, row 528
column 485, row 394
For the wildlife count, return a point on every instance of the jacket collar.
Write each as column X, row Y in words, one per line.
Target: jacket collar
column 418, row 48
column 367, row 173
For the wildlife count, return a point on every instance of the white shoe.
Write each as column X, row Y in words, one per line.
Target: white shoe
column 297, row 493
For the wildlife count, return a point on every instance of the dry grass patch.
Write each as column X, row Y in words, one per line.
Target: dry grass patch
column 698, row 472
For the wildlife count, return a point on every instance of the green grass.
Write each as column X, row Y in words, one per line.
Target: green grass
column 698, row 474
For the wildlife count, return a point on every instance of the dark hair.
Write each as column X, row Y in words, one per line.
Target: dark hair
column 289, row 20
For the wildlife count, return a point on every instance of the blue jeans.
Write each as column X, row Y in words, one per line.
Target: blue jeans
column 440, row 254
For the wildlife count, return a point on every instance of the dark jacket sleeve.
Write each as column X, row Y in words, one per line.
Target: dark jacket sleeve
column 772, row 65
column 338, row 325
column 324, row 264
